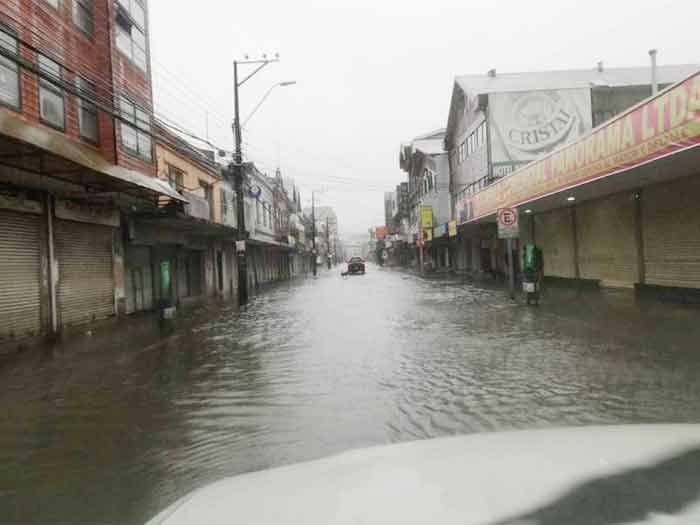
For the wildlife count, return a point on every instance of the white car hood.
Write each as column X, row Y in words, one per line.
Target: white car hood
column 577, row 476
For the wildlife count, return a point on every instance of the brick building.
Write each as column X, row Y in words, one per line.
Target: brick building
column 76, row 158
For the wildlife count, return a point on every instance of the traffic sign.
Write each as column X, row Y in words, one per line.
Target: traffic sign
column 508, row 224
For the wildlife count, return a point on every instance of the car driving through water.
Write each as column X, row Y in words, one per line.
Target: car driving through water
column 356, row 265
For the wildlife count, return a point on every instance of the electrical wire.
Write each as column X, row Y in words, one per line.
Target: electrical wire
column 109, row 106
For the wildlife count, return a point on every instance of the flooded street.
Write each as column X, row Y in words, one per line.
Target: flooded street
column 315, row 367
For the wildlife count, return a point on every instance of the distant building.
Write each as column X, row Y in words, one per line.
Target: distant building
column 425, row 162
column 389, row 210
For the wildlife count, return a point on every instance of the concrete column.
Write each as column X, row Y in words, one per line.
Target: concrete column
column 639, row 236
column 49, row 274
column 574, row 239
column 476, row 254
column 119, row 273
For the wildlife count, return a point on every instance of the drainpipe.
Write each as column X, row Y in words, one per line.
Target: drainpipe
column 654, row 82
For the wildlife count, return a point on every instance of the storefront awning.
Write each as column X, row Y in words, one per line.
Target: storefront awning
column 32, row 148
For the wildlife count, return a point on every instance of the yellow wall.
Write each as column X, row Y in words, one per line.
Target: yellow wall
column 193, row 173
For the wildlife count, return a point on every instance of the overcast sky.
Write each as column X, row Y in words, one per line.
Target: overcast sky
column 373, row 74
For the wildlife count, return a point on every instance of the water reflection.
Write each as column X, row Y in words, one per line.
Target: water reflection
column 114, row 432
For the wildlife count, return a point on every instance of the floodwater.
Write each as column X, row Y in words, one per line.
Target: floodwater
column 113, row 431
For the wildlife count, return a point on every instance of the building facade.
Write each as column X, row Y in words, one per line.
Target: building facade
column 105, row 212
column 499, row 123
column 77, row 158
column 617, row 206
column 428, row 191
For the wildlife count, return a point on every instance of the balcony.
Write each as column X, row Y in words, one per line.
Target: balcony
column 197, row 207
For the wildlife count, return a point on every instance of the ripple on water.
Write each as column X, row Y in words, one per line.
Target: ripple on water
column 316, row 367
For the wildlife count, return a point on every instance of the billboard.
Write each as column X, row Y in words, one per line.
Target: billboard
column 528, row 124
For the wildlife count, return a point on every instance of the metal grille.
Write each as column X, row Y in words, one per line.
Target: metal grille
column 607, row 241
column 553, row 232
column 19, row 275
column 671, row 229
column 85, row 273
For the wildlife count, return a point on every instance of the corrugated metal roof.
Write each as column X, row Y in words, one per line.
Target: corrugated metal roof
column 573, row 78
column 73, row 151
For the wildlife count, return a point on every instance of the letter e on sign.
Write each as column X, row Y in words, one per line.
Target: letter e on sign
column 508, row 224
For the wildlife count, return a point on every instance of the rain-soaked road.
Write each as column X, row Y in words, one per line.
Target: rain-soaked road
column 113, row 433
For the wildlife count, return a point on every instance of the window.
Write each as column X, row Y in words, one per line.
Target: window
column 9, row 70
column 83, row 16
column 87, row 111
column 51, row 106
column 601, row 116
column 54, row 3
column 135, row 9
column 257, row 212
column 176, row 178
column 224, row 204
column 131, row 34
column 206, row 191
column 136, row 131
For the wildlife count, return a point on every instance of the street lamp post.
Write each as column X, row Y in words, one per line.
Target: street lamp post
column 313, row 232
column 237, row 168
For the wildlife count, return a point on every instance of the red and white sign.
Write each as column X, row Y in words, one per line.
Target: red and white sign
column 508, row 224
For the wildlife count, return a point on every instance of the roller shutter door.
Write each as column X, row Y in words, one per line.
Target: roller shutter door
column 20, row 274
column 554, row 234
column 85, row 289
column 607, row 244
column 671, row 230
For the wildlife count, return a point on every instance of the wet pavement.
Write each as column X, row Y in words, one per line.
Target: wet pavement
column 114, row 429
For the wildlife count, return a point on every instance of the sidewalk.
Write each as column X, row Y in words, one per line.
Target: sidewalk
column 134, row 332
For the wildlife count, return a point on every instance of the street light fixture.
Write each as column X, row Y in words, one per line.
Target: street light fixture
column 267, row 94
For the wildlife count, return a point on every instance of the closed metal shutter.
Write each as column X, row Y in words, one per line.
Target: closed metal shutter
column 85, row 274
column 607, row 243
column 20, row 274
column 671, row 230
column 554, row 234
column 138, row 279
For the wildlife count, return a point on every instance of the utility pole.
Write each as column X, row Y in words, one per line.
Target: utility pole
column 313, row 232
column 240, row 198
column 511, row 269
column 328, row 244
column 239, row 176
